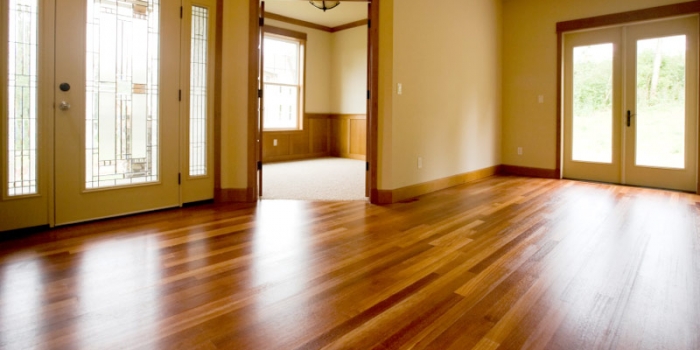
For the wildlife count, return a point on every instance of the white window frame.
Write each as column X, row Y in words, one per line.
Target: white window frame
column 299, row 38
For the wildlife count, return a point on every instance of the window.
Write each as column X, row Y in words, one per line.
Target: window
column 283, row 79
column 22, row 98
column 198, row 91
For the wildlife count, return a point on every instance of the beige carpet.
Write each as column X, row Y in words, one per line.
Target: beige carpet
column 322, row 179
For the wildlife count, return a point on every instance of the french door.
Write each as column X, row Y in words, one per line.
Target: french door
column 96, row 124
column 630, row 104
column 117, row 124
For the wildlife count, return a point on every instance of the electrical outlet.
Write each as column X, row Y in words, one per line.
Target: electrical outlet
column 420, row 162
column 520, row 151
column 399, row 88
column 274, row 142
column 540, row 98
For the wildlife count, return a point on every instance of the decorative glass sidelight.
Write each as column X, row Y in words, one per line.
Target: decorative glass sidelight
column 22, row 97
column 660, row 129
column 121, row 130
column 198, row 91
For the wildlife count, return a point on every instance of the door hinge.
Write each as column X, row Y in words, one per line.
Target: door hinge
column 369, row 23
column 259, row 93
column 179, row 95
column 259, row 165
column 369, row 94
column 179, row 179
column 180, row 11
column 367, row 166
column 261, row 21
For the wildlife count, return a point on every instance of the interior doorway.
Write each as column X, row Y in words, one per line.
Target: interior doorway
column 314, row 75
column 630, row 104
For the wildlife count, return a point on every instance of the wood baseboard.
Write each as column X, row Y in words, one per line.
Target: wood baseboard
column 408, row 192
column 246, row 195
column 234, row 195
column 530, row 172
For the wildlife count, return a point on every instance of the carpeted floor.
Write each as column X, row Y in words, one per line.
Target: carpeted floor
column 315, row 179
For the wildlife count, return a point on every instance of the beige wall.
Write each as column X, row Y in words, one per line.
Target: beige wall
column 348, row 83
column 318, row 66
column 234, row 91
column 529, row 70
column 448, row 59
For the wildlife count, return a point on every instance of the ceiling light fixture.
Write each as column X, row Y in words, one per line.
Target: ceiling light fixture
column 324, row 5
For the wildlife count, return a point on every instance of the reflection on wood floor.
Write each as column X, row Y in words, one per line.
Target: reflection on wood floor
column 505, row 262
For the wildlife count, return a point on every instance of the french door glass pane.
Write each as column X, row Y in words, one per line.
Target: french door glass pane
column 660, row 119
column 22, row 98
column 198, row 91
column 121, row 93
column 592, row 103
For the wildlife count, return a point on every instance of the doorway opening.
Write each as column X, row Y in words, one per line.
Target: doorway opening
column 314, row 67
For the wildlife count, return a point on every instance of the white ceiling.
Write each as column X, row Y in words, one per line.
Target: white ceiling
column 346, row 12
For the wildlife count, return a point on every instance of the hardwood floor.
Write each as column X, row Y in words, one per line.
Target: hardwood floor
column 504, row 263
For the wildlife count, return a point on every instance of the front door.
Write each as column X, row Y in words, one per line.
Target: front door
column 630, row 104
column 117, row 109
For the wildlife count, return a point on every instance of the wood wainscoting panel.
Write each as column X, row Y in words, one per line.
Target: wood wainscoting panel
column 358, row 136
column 300, row 143
column 319, row 133
column 310, row 142
column 281, row 149
column 349, row 136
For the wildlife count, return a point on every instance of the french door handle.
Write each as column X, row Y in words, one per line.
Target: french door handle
column 629, row 118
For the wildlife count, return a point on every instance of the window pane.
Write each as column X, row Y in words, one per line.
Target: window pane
column 282, row 83
column 592, row 103
column 198, row 91
column 22, row 98
column 281, row 61
column 660, row 115
column 281, row 106
column 121, row 93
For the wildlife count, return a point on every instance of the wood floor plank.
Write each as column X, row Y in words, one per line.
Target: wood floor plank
column 500, row 263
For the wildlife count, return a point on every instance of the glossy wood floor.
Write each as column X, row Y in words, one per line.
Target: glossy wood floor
column 503, row 263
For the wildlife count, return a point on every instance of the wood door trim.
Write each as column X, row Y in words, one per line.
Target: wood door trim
column 621, row 18
column 290, row 20
column 684, row 8
column 360, row 23
column 253, row 62
column 298, row 22
column 301, row 36
column 373, row 110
